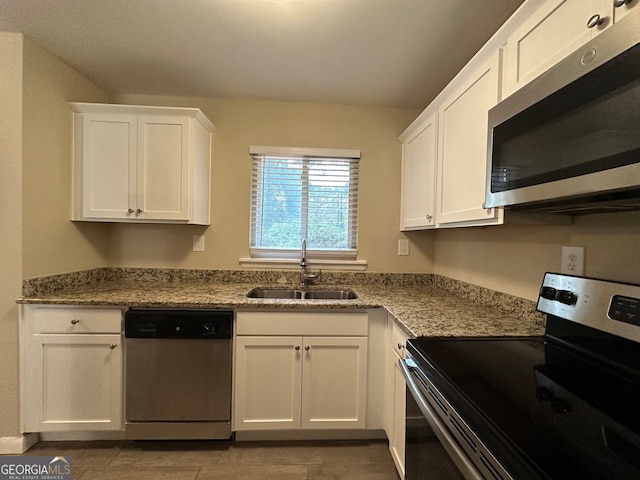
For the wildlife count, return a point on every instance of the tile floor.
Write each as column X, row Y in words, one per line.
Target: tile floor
column 337, row 460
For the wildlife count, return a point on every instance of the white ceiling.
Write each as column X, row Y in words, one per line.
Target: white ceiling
column 374, row 52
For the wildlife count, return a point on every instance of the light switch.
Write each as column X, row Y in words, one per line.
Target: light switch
column 403, row 246
column 198, row 243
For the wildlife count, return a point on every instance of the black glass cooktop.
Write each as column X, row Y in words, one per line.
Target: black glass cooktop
column 543, row 407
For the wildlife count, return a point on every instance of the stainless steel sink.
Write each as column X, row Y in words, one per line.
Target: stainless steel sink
column 303, row 294
column 330, row 295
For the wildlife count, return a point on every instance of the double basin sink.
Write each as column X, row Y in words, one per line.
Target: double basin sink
column 303, row 293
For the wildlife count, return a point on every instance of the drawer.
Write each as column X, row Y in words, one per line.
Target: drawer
column 303, row 323
column 53, row 319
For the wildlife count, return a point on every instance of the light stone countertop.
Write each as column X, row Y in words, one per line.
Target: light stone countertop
column 420, row 310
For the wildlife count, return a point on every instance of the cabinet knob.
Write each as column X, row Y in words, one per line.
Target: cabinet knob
column 130, row 211
column 429, row 217
column 307, row 348
column 595, row 21
column 138, row 211
column 74, row 321
column 619, row 3
column 400, row 346
column 112, row 346
column 297, row 347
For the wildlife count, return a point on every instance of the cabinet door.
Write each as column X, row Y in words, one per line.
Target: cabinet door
column 396, row 394
column 462, row 148
column 163, row 168
column 556, row 29
column 419, row 176
column 108, row 166
column 624, row 9
column 73, row 382
column 397, row 441
column 334, row 382
column 267, row 383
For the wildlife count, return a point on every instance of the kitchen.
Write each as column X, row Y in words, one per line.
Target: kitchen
column 510, row 258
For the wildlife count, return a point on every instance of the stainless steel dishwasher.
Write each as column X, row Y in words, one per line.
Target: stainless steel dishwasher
column 178, row 374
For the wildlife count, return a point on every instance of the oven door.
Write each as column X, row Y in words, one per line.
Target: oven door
column 430, row 451
column 430, row 415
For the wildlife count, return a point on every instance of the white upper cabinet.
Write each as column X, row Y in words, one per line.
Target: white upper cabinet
column 419, row 175
column 462, row 148
column 622, row 8
column 141, row 164
column 554, row 30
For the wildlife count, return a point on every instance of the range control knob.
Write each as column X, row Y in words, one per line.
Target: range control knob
column 558, row 405
column 544, row 394
column 567, row 297
column 548, row 292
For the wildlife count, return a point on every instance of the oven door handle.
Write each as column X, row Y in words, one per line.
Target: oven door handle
column 456, row 453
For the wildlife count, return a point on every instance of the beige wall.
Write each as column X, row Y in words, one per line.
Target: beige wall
column 36, row 236
column 514, row 257
column 10, row 226
column 241, row 123
column 51, row 243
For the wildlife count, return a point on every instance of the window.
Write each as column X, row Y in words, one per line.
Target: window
column 301, row 194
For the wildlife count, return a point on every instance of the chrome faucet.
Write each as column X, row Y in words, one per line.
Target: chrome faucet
column 305, row 278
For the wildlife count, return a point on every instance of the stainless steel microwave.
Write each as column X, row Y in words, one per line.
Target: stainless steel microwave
column 569, row 142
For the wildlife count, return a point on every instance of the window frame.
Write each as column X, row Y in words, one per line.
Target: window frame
column 329, row 256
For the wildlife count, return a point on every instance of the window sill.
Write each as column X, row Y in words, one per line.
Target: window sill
column 325, row 264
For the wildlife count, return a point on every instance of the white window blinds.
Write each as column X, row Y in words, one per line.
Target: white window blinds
column 301, row 194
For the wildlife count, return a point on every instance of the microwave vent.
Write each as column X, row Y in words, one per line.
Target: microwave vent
column 621, row 201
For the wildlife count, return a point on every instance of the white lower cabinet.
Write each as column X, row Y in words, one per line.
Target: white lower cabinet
column 71, row 369
column 314, row 381
column 395, row 406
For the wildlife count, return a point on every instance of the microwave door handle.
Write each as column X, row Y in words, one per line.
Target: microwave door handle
column 468, row 470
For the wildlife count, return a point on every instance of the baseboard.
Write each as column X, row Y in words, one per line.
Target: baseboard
column 82, row 436
column 257, row 435
column 17, row 445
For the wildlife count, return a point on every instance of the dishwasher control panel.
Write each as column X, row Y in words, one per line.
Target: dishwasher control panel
column 161, row 323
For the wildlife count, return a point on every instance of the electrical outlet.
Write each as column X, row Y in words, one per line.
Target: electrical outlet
column 198, row 243
column 403, row 246
column 573, row 261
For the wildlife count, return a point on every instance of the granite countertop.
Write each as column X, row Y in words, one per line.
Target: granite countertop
column 421, row 310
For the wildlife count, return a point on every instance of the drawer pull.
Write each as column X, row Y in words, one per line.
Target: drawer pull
column 74, row 321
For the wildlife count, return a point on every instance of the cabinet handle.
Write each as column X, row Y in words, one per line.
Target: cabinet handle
column 619, row 3
column 130, row 211
column 400, row 346
column 112, row 346
column 74, row 321
column 138, row 211
column 297, row 347
column 595, row 21
column 307, row 348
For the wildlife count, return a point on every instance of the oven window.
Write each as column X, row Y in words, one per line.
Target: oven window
column 593, row 124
